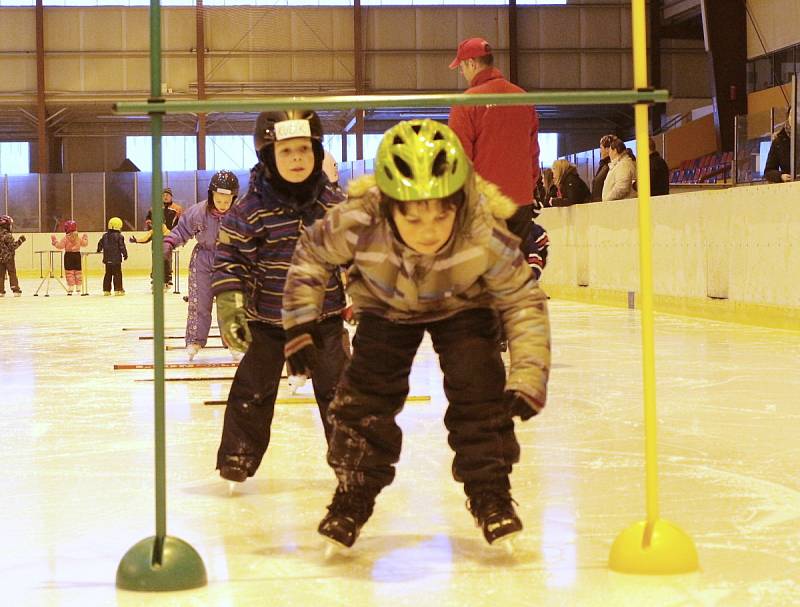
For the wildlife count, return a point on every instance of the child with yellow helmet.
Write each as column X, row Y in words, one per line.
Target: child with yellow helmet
column 112, row 246
column 428, row 249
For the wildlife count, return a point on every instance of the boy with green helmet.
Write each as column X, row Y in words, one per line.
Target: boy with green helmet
column 428, row 250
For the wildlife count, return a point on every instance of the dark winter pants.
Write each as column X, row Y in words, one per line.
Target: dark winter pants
column 366, row 441
column 167, row 270
column 10, row 267
column 251, row 402
column 519, row 224
column 201, row 299
column 113, row 272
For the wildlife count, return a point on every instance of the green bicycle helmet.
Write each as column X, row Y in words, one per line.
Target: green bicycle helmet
column 420, row 160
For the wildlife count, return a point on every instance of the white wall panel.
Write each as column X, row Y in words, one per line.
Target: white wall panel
column 528, row 29
column 18, row 27
column 227, row 30
column 779, row 24
column 266, row 68
column 271, row 30
column 62, row 29
column 137, row 29
column 561, row 71
column 560, row 29
column 102, row 29
column 63, row 73
column 490, row 23
column 600, row 27
column 433, row 72
column 177, row 73
column 178, row 29
column 723, row 244
column 19, row 74
column 311, row 68
column 601, row 70
column 391, row 28
column 436, row 28
column 529, row 71
column 311, row 30
column 137, row 74
column 393, row 72
column 102, row 74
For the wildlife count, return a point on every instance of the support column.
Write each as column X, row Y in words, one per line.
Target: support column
column 358, row 51
column 43, row 155
column 725, row 28
column 654, row 59
column 201, row 83
column 513, row 45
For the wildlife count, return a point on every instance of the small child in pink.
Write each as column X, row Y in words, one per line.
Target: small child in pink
column 71, row 243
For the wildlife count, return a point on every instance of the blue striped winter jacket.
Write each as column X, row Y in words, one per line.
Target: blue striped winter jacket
column 256, row 242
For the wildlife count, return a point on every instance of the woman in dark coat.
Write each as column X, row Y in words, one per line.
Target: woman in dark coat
column 571, row 188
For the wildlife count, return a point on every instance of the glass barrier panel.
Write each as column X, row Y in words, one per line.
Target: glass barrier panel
column 23, row 202
column 753, row 140
column 88, row 204
column 144, row 188
column 121, row 199
column 56, row 202
column 203, row 179
column 184, row 187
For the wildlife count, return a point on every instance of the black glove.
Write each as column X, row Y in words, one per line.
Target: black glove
column 22, row 238
column 300, row 349
column 132, row 239
column 521, row 405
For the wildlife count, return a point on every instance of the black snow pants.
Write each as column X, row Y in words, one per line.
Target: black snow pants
column 366, row 440
column 251, row 401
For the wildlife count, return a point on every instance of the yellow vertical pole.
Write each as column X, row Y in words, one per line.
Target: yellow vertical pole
column 645, row 264
column 652, row 546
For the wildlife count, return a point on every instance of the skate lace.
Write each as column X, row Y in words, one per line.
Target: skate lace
column 488, row 503
column 353, row 504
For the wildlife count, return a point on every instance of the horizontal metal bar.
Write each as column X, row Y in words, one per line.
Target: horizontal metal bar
column 626, row 97
column 209, row 365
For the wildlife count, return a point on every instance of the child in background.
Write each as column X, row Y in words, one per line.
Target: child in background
column 429, row 250
column 202, row 223
column 71, row 243
column 8, row 248
column 112, row 246
column 172, row 213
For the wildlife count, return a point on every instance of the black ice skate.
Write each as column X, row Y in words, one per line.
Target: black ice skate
column 494, row 513
column 234, row 470
column 347, row 513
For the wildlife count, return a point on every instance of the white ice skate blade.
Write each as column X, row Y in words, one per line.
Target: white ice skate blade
column 232, row 488
column 507, row 543
column 334, row 548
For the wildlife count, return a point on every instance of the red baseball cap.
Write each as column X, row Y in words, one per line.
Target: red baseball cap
column 469, row 49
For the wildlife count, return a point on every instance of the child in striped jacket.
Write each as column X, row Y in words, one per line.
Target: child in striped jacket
column 288, row 192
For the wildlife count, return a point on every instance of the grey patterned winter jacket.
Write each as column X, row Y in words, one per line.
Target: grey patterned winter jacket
column 481, row 266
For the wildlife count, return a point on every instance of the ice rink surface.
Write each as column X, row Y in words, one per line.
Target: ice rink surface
column 77, row 487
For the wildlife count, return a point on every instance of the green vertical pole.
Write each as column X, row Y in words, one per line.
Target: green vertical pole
column 160, row 562
column 158, row 276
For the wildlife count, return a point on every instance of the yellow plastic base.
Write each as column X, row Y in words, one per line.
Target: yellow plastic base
column 662, row 550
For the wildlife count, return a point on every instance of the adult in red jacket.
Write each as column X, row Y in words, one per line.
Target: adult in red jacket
column 501, row 140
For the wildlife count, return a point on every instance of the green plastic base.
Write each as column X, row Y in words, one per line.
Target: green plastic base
column 181, row 567
column 669, row 550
